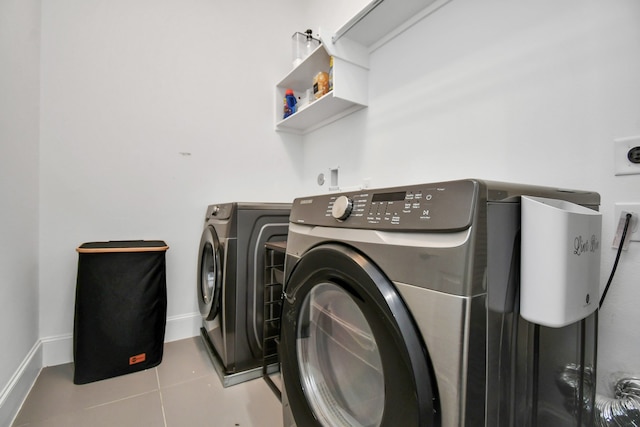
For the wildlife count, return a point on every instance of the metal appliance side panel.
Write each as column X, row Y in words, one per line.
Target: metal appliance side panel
column 536, row 375
column 272, row 207
column 214, row 334
column 228, row 309
column 224, row 222
column 256, row 227
column 503, row 260
column 438, row 261
column 503, row 255
column 453, row 330
column 504, row 191
column 566, row 370
column 237, row 224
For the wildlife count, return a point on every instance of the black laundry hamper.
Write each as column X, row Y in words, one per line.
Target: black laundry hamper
column 120, row 308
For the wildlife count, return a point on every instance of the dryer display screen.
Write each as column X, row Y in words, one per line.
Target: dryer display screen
column 389, row 197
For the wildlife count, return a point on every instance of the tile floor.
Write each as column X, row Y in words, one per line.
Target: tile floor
column 183, row 391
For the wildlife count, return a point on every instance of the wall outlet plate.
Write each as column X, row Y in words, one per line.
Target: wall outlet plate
column 633, row 232
column 622, row 146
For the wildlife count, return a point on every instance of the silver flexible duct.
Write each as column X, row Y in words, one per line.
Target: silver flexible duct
column 624, row 409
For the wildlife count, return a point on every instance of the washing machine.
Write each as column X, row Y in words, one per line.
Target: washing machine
column 230, row 283
column 401, row 308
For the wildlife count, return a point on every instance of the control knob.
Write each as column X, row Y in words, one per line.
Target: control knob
column 342, row 208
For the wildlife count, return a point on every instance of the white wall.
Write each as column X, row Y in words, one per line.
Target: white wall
column 497, row 90
column 19, row 125
column 151, row 110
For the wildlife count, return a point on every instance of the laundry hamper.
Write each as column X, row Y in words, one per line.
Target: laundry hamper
column 120, row 308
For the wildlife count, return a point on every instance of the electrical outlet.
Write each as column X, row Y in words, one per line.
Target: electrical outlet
column 626, row 155
column 633, row 232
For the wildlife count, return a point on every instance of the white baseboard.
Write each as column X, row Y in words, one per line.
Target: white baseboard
column 20, row 384
column 182, row 326
column 58, row 350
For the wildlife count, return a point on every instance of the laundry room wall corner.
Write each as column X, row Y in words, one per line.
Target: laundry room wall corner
column 20, row 48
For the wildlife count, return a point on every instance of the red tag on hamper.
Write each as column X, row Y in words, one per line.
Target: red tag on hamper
column 138, row 358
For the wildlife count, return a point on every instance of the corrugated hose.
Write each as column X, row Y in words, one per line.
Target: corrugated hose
column 623, row 410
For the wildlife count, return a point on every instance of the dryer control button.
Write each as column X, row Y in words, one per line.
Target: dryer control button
column 342, row 208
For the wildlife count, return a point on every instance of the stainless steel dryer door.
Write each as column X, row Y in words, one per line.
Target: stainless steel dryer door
column 209, row 274
column 351, row 354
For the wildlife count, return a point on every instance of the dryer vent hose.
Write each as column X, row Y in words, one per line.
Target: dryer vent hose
column 624, row 409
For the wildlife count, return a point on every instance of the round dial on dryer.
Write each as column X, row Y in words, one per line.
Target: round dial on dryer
column 342, row 208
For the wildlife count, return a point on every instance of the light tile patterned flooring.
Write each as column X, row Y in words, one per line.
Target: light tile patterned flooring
column 183, row 391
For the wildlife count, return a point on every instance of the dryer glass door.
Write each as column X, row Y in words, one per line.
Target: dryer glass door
column 209, row 274
column 350, row 351
column 208, row 278
column 339, row 359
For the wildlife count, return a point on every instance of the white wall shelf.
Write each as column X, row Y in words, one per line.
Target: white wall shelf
column 349, row 92
column 377, row 23
column 381, row 18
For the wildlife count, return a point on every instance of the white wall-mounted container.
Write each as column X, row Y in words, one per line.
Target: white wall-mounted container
column 560, row 266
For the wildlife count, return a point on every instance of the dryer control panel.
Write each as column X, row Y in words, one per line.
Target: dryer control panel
column 446, row 206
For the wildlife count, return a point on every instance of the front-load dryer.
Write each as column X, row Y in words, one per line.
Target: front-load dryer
column 401, row 309
column 230, row 283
